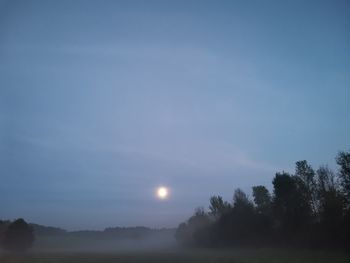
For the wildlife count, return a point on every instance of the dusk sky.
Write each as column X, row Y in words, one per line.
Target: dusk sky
column 103, row 101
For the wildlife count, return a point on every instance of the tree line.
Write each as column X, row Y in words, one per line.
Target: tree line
column 309, row 208
column 19, row 236
column 16, row 236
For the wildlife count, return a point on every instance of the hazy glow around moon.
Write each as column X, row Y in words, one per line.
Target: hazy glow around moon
column 162, row 192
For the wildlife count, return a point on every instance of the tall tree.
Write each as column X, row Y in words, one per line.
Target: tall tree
column 264, row 217
column 241, row 200
column 239, row 224
column 305, row 172
column 290, row 205
column 307, row 183
column 262, row 199
column 195, row 230
column 331, row 200
column 343, row 160
column 218, row 206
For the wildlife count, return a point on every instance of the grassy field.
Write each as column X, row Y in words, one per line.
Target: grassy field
column 233, row 256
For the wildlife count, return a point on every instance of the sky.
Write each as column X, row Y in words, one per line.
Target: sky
column 103, row 101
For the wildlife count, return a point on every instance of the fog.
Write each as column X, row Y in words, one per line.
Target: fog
column 89, row 242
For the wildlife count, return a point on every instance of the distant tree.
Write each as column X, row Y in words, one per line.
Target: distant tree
column 264, row 216
column 284, row 190
column 331, row 200
column 199, row 219
column 305, row 172
column 290, row 202
column 47, row 230
column 238, row 225
column 18, row 236
column 262, row 199
column 218, row 207
column 241, row 200
column 191, row 233
column 306, row 181
column 199, row 212
column 326, row 180
column 343, row 160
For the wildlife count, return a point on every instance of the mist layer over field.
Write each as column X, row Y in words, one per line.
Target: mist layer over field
column 75, row 243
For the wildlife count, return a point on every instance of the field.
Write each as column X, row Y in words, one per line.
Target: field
column 212, row 256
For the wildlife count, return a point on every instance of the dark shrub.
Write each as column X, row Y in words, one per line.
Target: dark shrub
column 18, row 236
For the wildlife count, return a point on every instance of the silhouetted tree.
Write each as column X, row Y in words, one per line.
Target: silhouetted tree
column 18, row 236
column 238, row 225
column 290, row 202
column 331, row 202
column 307, row 208
column 262, row 199
column 264, row 217
column 343, row 160
column 218, row 207
column 241, row 200
column 191, row 233
column 306, row 173
column 307, row 183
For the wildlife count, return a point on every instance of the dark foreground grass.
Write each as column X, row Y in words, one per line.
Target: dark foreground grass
column 212, row 256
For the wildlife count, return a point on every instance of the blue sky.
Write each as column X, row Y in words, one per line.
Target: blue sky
column 102, row 101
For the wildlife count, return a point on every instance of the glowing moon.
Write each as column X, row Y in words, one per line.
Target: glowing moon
column 162, row 192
